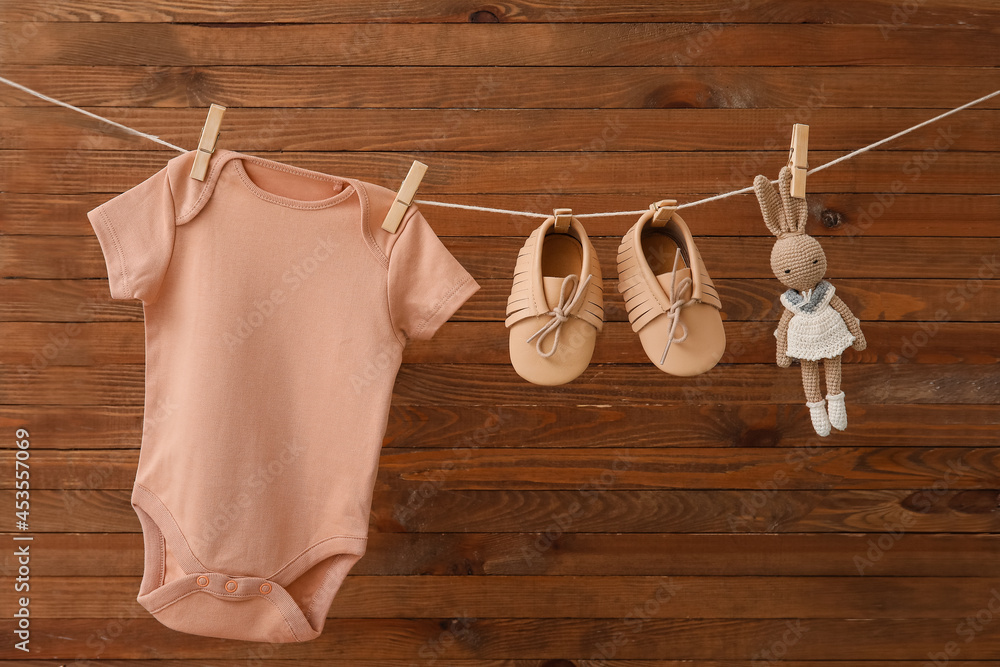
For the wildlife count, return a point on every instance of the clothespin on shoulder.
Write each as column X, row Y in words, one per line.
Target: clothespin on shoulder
column 208, row 141
column 662, row 211
column 404, row 197
column 798, row 159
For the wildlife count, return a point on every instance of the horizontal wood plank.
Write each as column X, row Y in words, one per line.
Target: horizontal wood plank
column 972, row 259
column 33, row 346
column 600, row 384
column 571, row 511
column 549, row 173
column 407, row 86
column 586, row 554
column 565, row 44
column 299, row 129
column 479, row 639
column 748, row 300
column 811, row 466
column 831, row 214
column 571, row 597
column 935, row 12
column 499, row 662
column 604, row 426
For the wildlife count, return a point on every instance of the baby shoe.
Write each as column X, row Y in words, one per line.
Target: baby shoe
column 837, row 410
column 820, row 418
column 671, row 301
column 556, row 305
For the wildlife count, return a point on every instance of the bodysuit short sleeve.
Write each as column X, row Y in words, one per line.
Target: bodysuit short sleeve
column 426, row 283
column 136, row 233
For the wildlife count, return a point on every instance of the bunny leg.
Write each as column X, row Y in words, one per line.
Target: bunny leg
column 834, row 395
column 810, row 380
column 831, row 367
column 814, row 397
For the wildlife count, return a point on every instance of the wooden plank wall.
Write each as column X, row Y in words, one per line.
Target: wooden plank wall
column 630, row 518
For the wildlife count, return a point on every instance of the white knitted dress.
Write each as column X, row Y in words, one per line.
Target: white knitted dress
column 816, row 330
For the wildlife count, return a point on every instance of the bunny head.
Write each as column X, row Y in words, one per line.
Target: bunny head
column 797, row 259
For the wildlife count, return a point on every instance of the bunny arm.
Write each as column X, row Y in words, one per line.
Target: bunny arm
column 781, row 333
column 852, row 322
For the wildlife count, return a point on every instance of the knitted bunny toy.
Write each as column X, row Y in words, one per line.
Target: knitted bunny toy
column 816, row 324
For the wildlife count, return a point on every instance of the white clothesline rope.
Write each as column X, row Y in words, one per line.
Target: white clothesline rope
column 151, row 137
column 534, row 214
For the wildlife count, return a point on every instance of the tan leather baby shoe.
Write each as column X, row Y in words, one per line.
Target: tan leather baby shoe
column 556, row 305
column 671, row 301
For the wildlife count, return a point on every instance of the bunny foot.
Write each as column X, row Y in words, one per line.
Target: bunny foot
column 820, row 419
column 837, row 410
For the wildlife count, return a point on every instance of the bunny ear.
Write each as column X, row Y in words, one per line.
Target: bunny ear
column 796, row 210
column 770, row 204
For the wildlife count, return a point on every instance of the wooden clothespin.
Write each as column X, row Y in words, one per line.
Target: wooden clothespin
column 798, row 159
column 662, row 211
column 404, row 197
column 563, row 217
column 209, row 138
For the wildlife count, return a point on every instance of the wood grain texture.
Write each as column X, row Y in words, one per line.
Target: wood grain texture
column 543, row 173
column 602, row 426
column 854, row 216
column 527, row 662
column 449, row 87
column 487, row 468
column 489, row 129
column 579, row 639
column 33, row 346
column 75, row 554
column 600, row 384
column 404, row 509
column 522, row 526
column 564, row 44
column 750, row 300
column 973, row 259
column 934, row 12
column 576, row 597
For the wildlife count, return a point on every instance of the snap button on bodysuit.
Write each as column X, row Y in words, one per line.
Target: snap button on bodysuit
column 265, row 588
column 202, row 581
column 231, row 586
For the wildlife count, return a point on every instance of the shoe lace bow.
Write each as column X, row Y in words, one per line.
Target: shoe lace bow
column 561, row 312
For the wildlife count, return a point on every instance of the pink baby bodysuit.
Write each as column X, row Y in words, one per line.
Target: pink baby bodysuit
column 276, row 312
